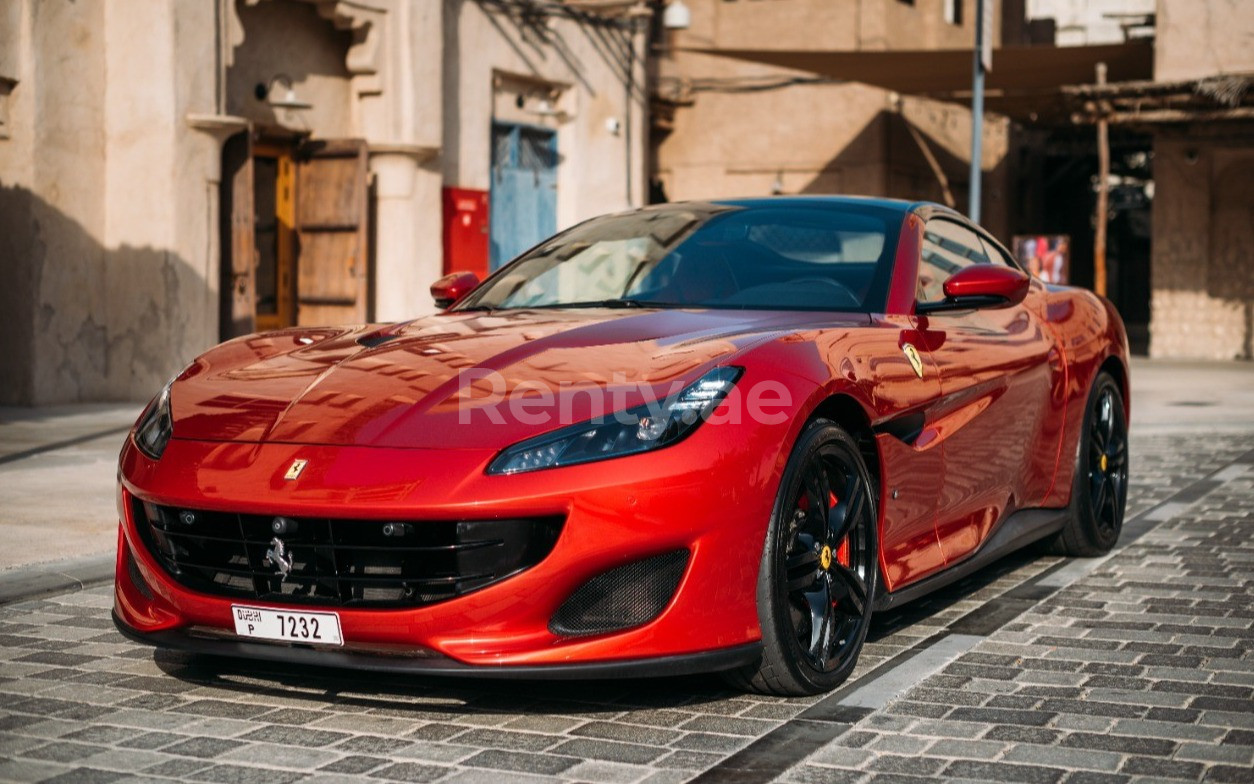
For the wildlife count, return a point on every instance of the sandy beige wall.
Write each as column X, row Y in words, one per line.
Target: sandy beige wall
column 819, row 138
column 1203, row 248
column 1197, row 39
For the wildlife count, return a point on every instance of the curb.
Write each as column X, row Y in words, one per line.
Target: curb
column 68, row 576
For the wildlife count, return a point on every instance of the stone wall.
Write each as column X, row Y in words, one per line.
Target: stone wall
column 1203, row 246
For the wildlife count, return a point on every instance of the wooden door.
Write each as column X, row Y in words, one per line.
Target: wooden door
column 274, row 240
column 331, row 222
column 238, row 290
column 523, row 207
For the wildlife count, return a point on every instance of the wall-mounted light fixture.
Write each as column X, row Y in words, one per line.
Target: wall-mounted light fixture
column 287, row 99
column 676, row 16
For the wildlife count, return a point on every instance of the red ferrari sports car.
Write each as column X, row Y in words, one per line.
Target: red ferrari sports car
column 695, row 437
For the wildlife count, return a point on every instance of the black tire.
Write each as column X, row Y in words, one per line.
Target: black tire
column 826, row 499
column 1099, row 493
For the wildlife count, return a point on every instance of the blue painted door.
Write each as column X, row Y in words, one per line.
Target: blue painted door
column 523, row 208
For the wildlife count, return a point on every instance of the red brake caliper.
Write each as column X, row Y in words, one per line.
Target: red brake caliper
column 842, row 552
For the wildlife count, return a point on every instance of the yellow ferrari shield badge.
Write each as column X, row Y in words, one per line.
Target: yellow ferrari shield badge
column 912, row 354
column 293, row 471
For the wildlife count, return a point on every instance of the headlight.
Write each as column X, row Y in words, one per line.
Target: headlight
column 156, row 425
column 640, row 429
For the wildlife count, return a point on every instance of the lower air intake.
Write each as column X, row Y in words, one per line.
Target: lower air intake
column 621, row 598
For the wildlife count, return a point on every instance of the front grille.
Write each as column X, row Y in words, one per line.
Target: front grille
column 629, row 595
column 339, row 562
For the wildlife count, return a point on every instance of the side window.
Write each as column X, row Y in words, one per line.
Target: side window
column 947, row 248
column 996, row 255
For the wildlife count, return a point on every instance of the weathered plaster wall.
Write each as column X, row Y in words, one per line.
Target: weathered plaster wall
column 109, row 224
column 1203, row 249
column 52, row 169
column 107, row 215
column 284, row 37
column 1196, row 39
column 405, row 161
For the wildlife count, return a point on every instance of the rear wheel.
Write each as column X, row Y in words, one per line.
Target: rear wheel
column 1099, row 493
column 819, row 568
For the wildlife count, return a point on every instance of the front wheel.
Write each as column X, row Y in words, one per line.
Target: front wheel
column 819, row 570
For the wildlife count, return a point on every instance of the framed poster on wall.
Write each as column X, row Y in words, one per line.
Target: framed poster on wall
column 1046, row 256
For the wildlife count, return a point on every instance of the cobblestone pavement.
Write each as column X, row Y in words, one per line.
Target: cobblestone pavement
column 1137, row 665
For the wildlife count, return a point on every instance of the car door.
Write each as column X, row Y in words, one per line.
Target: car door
column 995, row 381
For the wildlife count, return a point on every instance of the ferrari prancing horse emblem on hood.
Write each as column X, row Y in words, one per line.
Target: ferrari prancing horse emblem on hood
column 912, row 354
column 293, row 471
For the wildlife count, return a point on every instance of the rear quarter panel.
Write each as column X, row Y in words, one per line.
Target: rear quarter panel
column 1091, row 336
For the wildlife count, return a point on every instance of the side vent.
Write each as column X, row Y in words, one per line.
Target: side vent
column 132, row 571
column 626, row 596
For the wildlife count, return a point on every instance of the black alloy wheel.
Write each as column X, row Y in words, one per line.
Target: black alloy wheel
column 819, row 570
column 1108, row 461
column 1099, row 494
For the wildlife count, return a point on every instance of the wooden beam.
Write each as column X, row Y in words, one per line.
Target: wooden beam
column 1103, row 195
column 1160, row 116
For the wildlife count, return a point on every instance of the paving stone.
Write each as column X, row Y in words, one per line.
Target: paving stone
column 606, row 772
column 201, row 747
column 238, row 774
column 498, row 739
column 903, row 765
column 996, row 771
column 354, row 764
column 631, row 753
column 86, row 776
column 521, row 761
column 410, row 771
column 62, row 752
column 297, row 736
column 274, row 755
column 631, row 733
column 1162, row 768
column 1064, row 757
column 689, row 760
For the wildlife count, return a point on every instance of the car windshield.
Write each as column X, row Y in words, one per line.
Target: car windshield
column 815, row 256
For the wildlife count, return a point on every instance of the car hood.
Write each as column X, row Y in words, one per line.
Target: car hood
column 419, row 384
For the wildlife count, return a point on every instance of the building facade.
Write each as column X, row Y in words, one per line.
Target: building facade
column 724, row 127
column 177, row 173
column 1177, row 256
column 1203, row 221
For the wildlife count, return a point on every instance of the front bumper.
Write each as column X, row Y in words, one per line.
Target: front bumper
column 653, row 667
column 616, row 512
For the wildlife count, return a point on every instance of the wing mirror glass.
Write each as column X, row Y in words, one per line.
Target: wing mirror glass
column 981, row 286
column 449, row 289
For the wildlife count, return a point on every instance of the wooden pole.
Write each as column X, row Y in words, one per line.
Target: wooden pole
column 1103, row 194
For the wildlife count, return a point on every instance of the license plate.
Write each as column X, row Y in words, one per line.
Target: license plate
column 317, row 628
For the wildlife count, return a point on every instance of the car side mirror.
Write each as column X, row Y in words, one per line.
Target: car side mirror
column 449, row 289
column 981, row 286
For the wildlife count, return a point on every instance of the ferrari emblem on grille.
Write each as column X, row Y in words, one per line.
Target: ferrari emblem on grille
column 912, row 354
column 293, row 471
column 278, row 557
